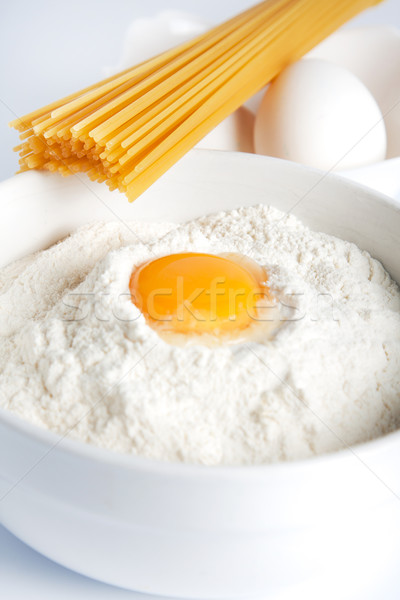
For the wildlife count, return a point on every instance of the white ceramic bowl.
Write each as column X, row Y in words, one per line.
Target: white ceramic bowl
column 184, row 530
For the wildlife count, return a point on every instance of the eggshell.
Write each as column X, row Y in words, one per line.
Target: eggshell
column 319, row 114
column 149, row 36
column 234, row 134
column 372, row 54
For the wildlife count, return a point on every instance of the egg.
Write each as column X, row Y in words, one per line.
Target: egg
column 212, row 298
column 319, row 114
column 372, row 54
column 233, row 134
column 148, row 36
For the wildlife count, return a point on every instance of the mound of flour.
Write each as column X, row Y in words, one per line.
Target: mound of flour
column 77, row 357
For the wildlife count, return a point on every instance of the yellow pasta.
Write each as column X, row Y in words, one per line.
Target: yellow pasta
column 131, row 128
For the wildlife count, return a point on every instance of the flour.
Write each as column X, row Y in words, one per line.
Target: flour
column 78, row 358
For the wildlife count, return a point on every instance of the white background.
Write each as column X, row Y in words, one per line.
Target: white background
column 48, row 49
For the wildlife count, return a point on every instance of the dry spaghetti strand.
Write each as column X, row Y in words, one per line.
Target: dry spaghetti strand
column 129, row 129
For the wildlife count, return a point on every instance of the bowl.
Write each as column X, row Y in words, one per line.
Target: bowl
column 185, row 530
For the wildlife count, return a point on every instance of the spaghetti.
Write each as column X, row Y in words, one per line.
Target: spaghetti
column 130, row 128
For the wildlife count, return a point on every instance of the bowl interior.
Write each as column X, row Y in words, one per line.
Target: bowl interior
column 38, row 209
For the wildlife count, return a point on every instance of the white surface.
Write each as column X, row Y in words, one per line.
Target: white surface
column 35, row 48
column 94, row 512
column 26, row 575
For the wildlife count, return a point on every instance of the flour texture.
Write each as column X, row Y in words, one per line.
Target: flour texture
column 78, row 358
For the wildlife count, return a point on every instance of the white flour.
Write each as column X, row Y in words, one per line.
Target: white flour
column 77, row 357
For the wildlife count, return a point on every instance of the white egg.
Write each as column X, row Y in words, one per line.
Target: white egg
column 372, row 54
column 234, row 134
column 149, row 36
column 319, row 114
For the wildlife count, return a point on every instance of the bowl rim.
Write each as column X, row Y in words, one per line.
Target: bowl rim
column 132, row 462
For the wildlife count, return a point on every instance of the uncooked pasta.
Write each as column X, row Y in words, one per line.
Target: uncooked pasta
column 130, row 128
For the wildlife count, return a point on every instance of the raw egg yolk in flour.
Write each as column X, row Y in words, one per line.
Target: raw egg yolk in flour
column 191, row 294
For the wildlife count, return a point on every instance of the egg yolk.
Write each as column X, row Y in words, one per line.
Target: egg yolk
column 195, row 293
